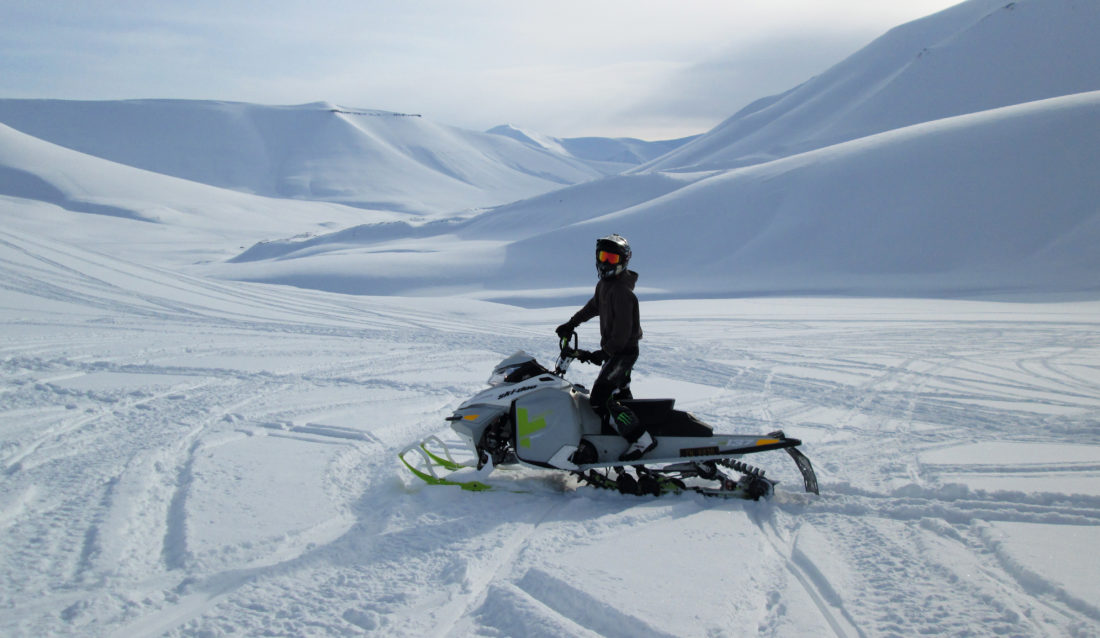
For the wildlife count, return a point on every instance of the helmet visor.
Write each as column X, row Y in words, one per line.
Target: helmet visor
column 605, row 257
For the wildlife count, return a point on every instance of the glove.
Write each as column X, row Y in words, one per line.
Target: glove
column 564, row 330
column 598, row 357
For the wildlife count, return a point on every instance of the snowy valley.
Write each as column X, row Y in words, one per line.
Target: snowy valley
column 218, row 334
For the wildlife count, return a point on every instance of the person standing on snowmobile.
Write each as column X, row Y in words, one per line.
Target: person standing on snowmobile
column 620, row 330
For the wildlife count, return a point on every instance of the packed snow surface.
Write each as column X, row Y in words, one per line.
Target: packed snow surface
column 188, row 457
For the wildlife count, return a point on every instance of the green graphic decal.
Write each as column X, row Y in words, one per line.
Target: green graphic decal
column 526, row 428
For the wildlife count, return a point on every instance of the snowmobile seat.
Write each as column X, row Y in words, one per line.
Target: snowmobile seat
column 660, row 419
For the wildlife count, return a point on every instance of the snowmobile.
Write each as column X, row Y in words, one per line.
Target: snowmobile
column 531, row 416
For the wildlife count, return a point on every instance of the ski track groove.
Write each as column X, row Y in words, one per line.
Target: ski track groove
column 913, row 391
column 500, row 569
column 842, row 627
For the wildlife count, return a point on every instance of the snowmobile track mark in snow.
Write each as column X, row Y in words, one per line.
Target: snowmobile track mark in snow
column 829, row 608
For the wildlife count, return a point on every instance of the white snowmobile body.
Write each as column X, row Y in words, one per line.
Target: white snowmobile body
column 534, row 417
column 550, row 420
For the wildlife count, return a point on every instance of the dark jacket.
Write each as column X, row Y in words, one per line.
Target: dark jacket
column 617, row 306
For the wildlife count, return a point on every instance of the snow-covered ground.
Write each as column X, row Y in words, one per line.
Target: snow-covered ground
column 189, row 457
column 189, row 446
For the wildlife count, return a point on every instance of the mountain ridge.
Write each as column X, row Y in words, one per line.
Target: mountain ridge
column 317, row 151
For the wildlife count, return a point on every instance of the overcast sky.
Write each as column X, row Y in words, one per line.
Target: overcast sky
column 654, row 69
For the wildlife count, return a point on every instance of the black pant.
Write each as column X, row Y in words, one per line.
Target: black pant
column 612, row 384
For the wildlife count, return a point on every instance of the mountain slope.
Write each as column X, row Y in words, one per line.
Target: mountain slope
column 978, row 55
column 997, row 202
column 369, row 159
column 993, row 202
column 91, row 201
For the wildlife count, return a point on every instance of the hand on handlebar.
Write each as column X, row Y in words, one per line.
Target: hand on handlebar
column 598, row 357
column 569, row 349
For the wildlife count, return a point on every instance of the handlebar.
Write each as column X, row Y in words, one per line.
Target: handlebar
column 569, row 352
column 564, row 343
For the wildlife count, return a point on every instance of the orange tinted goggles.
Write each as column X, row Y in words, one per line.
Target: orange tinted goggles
column 608, row 258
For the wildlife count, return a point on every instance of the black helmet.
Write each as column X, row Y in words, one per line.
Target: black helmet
column 612, row 255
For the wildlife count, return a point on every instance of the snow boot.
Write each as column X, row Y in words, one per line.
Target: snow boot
column 638, row 448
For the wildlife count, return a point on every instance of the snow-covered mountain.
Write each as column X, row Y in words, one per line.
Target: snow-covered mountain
column 91, row 201
column 363, row 158
column 998, row 202
column 964, row 192
column 976, row 56
column 953, row 156
column 609, row 154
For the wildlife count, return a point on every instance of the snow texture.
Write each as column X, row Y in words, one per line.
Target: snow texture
column 199, row 428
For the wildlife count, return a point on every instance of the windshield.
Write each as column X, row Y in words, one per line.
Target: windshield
column 515, row 368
